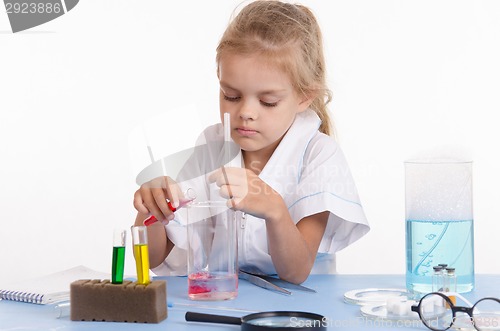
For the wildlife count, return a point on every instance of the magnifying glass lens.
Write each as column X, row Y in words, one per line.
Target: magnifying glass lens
column 283, row 321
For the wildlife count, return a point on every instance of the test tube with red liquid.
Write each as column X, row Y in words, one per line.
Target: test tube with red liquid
column 190, row 196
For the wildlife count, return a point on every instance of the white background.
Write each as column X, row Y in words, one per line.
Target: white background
column 407, row 76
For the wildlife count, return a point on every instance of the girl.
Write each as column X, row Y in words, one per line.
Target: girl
column 294, row 186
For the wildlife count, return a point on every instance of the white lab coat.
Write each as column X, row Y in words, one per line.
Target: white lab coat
column 310, row 172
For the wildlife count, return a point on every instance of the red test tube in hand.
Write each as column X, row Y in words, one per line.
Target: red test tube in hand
column 190, row 196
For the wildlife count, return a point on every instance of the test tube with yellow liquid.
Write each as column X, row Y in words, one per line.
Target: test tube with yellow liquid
column 141, row 254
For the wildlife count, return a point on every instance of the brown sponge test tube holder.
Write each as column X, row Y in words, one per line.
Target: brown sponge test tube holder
column 100, row 300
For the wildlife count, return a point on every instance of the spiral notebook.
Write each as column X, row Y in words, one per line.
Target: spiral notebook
column 50, row 288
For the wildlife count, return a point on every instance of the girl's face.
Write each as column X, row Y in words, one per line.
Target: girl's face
column 260, row 100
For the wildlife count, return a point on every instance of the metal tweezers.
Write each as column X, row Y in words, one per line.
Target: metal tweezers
column 271, row 283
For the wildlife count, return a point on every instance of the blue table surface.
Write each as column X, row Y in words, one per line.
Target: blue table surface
column 328, row 301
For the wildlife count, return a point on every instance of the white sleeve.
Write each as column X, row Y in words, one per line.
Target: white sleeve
column 326, row 184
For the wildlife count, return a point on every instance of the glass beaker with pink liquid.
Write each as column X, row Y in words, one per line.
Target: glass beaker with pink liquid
column 212, row 251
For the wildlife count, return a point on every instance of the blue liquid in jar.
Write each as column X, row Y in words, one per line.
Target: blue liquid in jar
column 429, row 243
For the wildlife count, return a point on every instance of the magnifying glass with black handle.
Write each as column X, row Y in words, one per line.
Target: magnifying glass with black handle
column 272, row 320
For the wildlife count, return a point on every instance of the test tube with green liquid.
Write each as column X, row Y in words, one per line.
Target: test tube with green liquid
column 119, row 239
column 141, row 254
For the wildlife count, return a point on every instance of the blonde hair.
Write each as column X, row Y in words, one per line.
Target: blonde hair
column 290, row 37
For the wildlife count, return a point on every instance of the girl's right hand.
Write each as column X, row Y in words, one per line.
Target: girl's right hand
column 151, row 198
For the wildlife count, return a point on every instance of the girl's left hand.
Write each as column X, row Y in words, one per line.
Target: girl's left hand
column 246, row 191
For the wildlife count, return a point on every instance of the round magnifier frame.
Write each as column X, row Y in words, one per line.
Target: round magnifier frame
column 304, row 320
